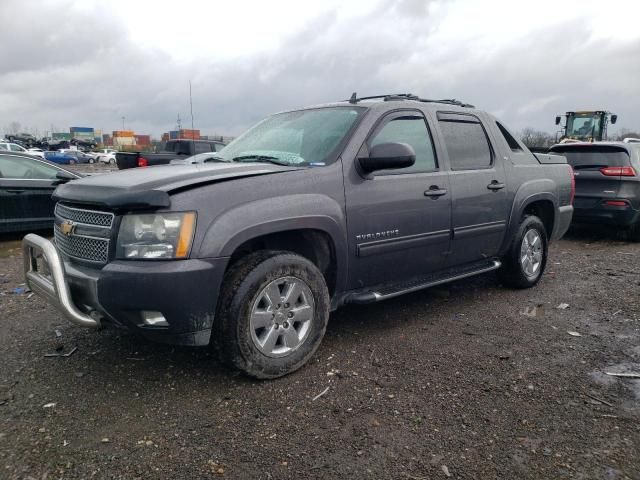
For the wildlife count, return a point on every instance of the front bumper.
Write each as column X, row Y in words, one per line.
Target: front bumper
column 185, row 292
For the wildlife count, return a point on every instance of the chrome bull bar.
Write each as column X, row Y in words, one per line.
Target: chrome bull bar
column 47, row 278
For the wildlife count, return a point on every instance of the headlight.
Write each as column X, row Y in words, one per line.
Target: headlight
column 156, row 235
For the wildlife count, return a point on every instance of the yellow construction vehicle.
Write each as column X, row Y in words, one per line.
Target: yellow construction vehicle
column 585, row 126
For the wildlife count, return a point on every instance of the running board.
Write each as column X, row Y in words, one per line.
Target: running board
column 385, row 293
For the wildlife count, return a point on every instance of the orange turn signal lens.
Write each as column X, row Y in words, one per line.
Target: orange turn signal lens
column 187, row 227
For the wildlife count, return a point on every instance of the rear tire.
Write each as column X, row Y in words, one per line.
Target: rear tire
column 524, row 262
column 272, row 314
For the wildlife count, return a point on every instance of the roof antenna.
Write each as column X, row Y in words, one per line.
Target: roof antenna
column 354, row 98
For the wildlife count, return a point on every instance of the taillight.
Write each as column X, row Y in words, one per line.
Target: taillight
column 573, row 185
column 616, row 203
column 143, row 162
column 618, row 171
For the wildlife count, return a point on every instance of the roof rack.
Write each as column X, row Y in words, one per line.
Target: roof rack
column 407, row 96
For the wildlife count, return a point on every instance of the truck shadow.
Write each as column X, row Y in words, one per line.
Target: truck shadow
column 596, row 233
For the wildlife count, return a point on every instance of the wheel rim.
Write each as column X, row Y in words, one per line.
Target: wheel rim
column 531, row 253
column 281, row 316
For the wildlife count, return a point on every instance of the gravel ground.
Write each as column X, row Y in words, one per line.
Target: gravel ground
column 467, row 381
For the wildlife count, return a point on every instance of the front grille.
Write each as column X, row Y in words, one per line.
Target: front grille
column 84, row 248
column 88, row 217
column 89, row 238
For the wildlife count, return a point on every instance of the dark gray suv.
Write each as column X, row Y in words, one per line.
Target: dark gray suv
column 607, row 176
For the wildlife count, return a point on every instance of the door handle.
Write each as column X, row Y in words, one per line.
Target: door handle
column 15, row 191
column 435, row 192
column 495, row 186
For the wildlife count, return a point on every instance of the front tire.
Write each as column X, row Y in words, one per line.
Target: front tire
column 524, row 263
column 272, row 314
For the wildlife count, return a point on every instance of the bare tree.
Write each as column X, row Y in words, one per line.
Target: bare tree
column 625, row 133
column 536, row 138
column 14, row 127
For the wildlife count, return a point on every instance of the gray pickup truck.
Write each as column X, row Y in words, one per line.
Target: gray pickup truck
column 347, row 203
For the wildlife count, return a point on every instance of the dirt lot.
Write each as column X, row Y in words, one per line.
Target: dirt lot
column 468, row 381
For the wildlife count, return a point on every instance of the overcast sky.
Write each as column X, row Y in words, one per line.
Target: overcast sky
column 89, row 63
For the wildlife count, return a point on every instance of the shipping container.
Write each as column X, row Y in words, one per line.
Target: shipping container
column 190, row 137
column 165, row 137
column 61, row 136
column 123, row 133
column 143, row 139
column 122, row 141
column 173, row 134
column 81, row 129
column 106, row 139
column 187, row 133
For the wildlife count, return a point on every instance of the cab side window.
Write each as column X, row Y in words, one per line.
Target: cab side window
column 466, row 142
column 411, row 129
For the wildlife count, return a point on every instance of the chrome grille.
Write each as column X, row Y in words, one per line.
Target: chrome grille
column 84, row 248
column 89, row 237
column 88, row 217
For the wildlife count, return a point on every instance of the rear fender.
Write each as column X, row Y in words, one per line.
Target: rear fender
column 529, row 192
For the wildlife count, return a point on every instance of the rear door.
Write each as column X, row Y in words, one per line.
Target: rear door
column 478, row 187
column 598, row 173
column 26, row 186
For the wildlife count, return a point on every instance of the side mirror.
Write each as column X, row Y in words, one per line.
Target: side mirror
column 614, row 119
column 558, row 120
column 387, row 156
column 63, row 177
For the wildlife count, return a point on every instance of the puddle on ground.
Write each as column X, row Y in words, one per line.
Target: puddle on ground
column 632, row 384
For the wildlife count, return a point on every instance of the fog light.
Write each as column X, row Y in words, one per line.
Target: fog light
column 153, row 319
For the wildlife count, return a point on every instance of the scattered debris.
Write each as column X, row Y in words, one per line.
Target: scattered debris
column 58, row 333
column 20, row 290
column 623, row 375
column 617, row 312
column 574, row 334
column 49, row 405
column 60, row 354
column 445, row 470
column 537, row 311
column 599, row 400
column 65, row 443
column 105, row 440
column 563, row 306
column 320, row 394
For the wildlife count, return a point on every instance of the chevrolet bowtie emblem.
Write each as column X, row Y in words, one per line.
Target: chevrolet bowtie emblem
column 67, row 227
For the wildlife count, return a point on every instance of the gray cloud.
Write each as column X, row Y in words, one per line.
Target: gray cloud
column 72, row 67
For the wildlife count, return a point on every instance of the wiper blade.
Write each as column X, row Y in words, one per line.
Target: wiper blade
column 260, row 158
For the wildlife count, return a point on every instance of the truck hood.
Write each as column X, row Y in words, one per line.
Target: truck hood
column 142, row 188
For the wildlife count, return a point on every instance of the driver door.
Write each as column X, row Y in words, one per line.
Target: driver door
column 397, row 229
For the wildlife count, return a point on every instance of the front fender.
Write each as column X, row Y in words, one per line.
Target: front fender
column 292, row 212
